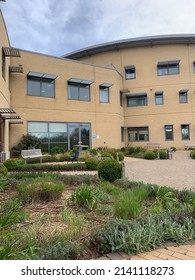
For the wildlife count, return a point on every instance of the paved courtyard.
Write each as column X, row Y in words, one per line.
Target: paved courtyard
column 177, row 173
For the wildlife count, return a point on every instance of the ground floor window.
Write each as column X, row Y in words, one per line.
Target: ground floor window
column 168, row 132
column 138, row 134
column 65, row 135
column 185, row 132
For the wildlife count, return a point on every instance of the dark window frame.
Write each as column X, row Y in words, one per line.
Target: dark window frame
column 137, row 129
column 106, row 89
column 3, row 65
column 137, row 99
column 41, row 81
column 159, row 94
column 166, row 68
column 167, row 129
column 79, row 86
column 130, row 72
column 185, row 126
column 183, row 94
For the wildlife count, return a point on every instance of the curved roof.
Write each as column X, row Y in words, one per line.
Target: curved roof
column 132, row 43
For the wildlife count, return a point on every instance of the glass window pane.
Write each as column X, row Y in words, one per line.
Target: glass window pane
column 104, row 95
column 37, row 127
column 169, row 132
column 137, row 101
column 42, row 136
column 34, row 86
column 57, row 127
column 73, row 92
column 58, row 137
column 47, row 88
column 185, row 133
column 159, row 99
column 130, row 73
column 138, row 134
column 183, row 97
column 84, row 93
column 173, row 69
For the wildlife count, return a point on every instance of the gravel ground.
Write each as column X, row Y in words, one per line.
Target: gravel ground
column 177, row 173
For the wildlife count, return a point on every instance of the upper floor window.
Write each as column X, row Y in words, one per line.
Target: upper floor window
column 104, row 92
column 79, row 89
column 168, row 67
column 158, row 97
column 130, row 72
column 137, row 100
column 183, row 96
column 41, row 84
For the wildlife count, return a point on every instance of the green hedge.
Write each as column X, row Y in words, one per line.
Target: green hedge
column 50, row 167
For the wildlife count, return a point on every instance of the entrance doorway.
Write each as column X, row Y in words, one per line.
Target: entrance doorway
column 79, row 134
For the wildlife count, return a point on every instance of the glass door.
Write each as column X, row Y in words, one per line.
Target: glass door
column 79, row 134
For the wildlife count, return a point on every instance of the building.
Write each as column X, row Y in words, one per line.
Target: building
column 127, row 92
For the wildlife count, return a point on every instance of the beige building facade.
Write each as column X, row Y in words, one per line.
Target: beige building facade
column 129, row 92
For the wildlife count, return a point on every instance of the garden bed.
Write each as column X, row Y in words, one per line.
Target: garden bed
column 89, row 217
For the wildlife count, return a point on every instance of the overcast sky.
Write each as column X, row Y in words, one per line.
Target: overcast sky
column 57, row 27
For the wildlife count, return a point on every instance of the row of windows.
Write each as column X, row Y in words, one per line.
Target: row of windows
column 45, row 87
column 163, row 68
column 142, row 98
column 136, row 134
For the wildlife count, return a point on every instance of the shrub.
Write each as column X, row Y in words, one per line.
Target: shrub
column 119, row 156
column 106, row 155
column 93, row 152
column 138, row 150
column 58, row 150
column 110, row 170
column 162, row 154
column 40, row 189
column 149, row 155
column 85, row 196
column 131, row 150
column 92, row 163
column 3, row 171
column 12, row 163
column 192, row 154
column 173, row 149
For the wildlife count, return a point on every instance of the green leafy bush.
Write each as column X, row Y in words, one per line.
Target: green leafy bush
column 138, row 150
column 12, row 163
column 93, row 152
column 106, row 155
column 131, row 150
column 163, row 154
column 192, row 154
column 119, row 156
column 150, row 155
column 3, row 171
column 58, row 150
column 173, row 149
column 92, row 163
column 110, row 170
column 85, row 196
column 39, row 189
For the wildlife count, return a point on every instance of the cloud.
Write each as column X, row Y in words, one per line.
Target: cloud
column 59, row 27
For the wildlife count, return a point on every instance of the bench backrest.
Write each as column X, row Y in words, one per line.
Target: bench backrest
column 153, row 145
column 33, row 152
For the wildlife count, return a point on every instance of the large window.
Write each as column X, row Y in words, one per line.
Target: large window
column 130, row 72
column 168, row 68
column 159, row 98
column 168, row 132
column 65, row 135
column 183, row 96
column 136, row 134
column 79, row 89
column 40, row 84
column 185, row 132
column 137, row 100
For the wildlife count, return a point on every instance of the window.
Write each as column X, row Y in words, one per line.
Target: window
column 136, row 134
column 168, row 68
column 40, row 84
column 194, row 66
column 121, row 99
column 183, row 96
column 3, row 64
column 104, row 92
column 168, row 132
column 122, row 134
column 78, row 91
column 130, row 72
column 159, row 98
column 137, row 100
column 185, row 132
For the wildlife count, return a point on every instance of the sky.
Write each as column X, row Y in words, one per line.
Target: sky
column 58, row 27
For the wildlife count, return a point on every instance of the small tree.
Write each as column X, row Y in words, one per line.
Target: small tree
column 26, row 142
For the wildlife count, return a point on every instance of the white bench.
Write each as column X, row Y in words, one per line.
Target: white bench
column 33, row 153
column 189, row 146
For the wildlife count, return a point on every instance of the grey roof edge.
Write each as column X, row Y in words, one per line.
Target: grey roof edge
column 133, row 42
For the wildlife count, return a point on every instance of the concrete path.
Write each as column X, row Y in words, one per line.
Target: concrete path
column 177, row 173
